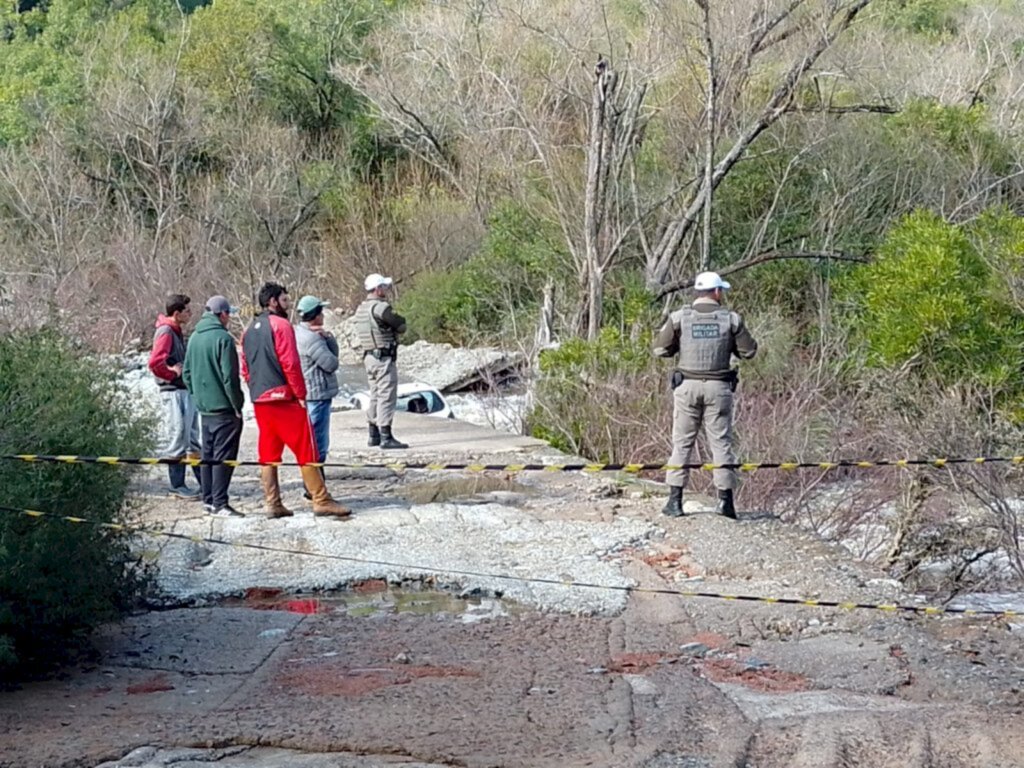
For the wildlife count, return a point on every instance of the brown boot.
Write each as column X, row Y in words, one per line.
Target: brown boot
column 323, row 504
column 272, row 493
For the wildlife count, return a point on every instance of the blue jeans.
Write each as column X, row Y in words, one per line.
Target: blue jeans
column 320, row 421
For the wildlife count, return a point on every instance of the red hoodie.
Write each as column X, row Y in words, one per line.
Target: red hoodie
column 168, row 350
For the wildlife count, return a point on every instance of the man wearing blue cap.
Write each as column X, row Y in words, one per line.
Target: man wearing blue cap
column 211, row 374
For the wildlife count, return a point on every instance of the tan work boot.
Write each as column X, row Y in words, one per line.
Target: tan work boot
column 272, row 493
column 323, row 504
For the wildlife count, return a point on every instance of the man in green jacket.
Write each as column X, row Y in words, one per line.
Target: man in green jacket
column 211, row 375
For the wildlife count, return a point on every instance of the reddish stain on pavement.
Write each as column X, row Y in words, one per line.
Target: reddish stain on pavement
column 674, row 561
column 636, row 662
column 326, row 680
column 765, row 679
column 154, row 684
column 370, row 586
column 269, row 599
column 262, row 594
column 310, row 606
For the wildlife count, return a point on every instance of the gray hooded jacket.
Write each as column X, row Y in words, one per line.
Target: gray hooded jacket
column 319, row 357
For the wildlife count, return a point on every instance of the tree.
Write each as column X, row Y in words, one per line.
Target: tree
column 475, row 88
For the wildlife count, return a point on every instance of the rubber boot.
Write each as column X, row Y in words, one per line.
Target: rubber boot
column 374, row 440
column 323, row 504
column 674, row 506
column 387, row 440
column 272, row 493
column 725, row 505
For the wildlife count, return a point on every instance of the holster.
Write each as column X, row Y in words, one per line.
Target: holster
column 734, row 379
column 384, row 353
column 675, row 379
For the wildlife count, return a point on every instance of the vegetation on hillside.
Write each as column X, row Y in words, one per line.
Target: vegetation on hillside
column 537, row 170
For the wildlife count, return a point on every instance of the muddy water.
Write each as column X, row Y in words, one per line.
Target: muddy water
column 374, row 598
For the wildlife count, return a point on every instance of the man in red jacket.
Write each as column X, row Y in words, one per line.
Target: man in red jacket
column 271, row 368
column 179, row 436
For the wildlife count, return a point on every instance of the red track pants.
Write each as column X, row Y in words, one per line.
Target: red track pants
column 284, row 424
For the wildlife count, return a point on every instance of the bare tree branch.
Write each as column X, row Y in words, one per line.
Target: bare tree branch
column 762, row 258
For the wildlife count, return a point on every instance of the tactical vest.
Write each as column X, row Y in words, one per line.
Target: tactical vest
column 705, row 340
column 373, row 334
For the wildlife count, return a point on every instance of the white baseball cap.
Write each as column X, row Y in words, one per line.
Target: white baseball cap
column 708, row 281
column 374, row 281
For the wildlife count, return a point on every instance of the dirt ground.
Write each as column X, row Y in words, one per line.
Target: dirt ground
column 295, row 680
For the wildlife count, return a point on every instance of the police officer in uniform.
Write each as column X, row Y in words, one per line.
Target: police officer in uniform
column 379, row 326
column 705, row 336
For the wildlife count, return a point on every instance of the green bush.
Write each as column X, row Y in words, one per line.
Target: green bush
column 932, row 299
column 929, row 18
column 955, row 131
column 497, row 293
column 58, row 579
column 605, row 399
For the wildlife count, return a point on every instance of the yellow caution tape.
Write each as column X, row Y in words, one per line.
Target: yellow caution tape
column 587, row 467
column 924, row 610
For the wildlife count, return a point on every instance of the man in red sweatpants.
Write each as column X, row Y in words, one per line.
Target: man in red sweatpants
column 271, row 368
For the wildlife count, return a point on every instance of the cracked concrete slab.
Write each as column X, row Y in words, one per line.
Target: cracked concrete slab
column 193, row 643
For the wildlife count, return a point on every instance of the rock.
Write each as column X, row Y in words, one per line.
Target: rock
column 136, row 757
column 697, row 650
column 441, row 365
column 641, row 685
column 452, row 368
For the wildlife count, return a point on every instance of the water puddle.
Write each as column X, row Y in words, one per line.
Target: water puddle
column 373, row 599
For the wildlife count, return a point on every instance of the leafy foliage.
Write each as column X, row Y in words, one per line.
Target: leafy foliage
column 957, row 131
column 58, row 580
column 931, row 299
column 929, row 18
column 497, row 290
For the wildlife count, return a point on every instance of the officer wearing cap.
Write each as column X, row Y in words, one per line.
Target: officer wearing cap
column 705, row 336
column 318, row 354
column 378, row 327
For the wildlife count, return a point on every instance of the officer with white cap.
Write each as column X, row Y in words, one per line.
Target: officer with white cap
column 378, row 327
column 705, row 336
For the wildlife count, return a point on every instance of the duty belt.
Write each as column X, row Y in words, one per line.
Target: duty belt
column 383, row 353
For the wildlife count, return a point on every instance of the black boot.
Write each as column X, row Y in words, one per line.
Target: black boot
column 374, row 436
column 674, row 506
column 387, row 440
column 725, row 505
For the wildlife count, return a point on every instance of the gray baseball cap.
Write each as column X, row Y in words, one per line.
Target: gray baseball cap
column 218, row 305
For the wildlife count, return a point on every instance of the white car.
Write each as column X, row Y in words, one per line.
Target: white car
column 415, row 397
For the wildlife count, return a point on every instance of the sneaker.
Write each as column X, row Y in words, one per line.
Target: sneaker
column 181, row 492
column 227, row 511
column 208, row 508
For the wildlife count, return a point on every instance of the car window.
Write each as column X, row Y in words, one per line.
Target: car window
column 433, row 402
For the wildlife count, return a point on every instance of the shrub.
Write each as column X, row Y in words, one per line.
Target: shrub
column 495, row 293
column 605, row 399
column 930, row 18
column 57, row 579
column 931, row 300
